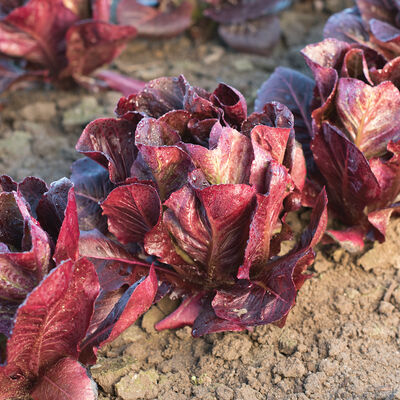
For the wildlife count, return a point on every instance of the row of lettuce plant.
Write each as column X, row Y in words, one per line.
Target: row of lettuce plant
column 347, row 118
column 182, row 195
column 65, row 41
column 185, row 195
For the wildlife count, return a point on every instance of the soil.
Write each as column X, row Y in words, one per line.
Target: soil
column 342, row 339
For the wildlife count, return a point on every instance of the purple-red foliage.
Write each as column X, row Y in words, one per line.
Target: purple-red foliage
column 374, row 24
column 348, row 123
column 51, row 298
column 247, row 25
column 155, row 19
column 56, row 40
column 198, row 189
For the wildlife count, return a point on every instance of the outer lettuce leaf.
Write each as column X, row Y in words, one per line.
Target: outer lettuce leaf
column 347, row 26
column 65, row 380
column 120, row 83
column 387, row 173
column 91, row 44
column 351, row 239
column 36, row 30
column 66, row 298
column 351, row 185
column 52, row 205
column 271, row 292
column 133, row 303
column 209, row 322
column 92, row 185
column 185, row 314
column 11, row 75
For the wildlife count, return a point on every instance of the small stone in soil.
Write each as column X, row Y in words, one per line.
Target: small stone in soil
column 224, row 392
column 385, row 308
column 290, row 368
column 396, row 295
column 231, row 347
column 287, row 342
column 138, row 386
column 108, row 371
column 39, row 111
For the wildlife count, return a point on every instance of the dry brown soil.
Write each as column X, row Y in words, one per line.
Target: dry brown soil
column 342, row 339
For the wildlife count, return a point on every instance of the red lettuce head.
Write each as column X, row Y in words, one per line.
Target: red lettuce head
column 247, row 25
column 372, row 23
column 200, row 189
column 155, row 19
column 38, row 285
column 51, row 298
column 349, row 128
column 56, row 39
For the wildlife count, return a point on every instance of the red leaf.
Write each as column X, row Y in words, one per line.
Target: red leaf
column 169, row 166
column 351, row 184
column 200, row 235
column 295, row 90
column 68, row 240
column 160, row 96
column 111, row 143
column 346, row 25
column 52, row 205
column 132, row 210
column 232, row 102
column 133, row 303
column 39, row 28
column 351, row 239
column 124, row 84
column 65, row 380
column 265, row 219
column 93, row 244
column 152, row 22
column 185, row 314
column 270, row 295
column 91, row 44
column 371, row 115
column 54, row 318
column 228, row 162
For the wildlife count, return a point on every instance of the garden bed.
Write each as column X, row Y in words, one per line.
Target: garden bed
column 342, row 339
